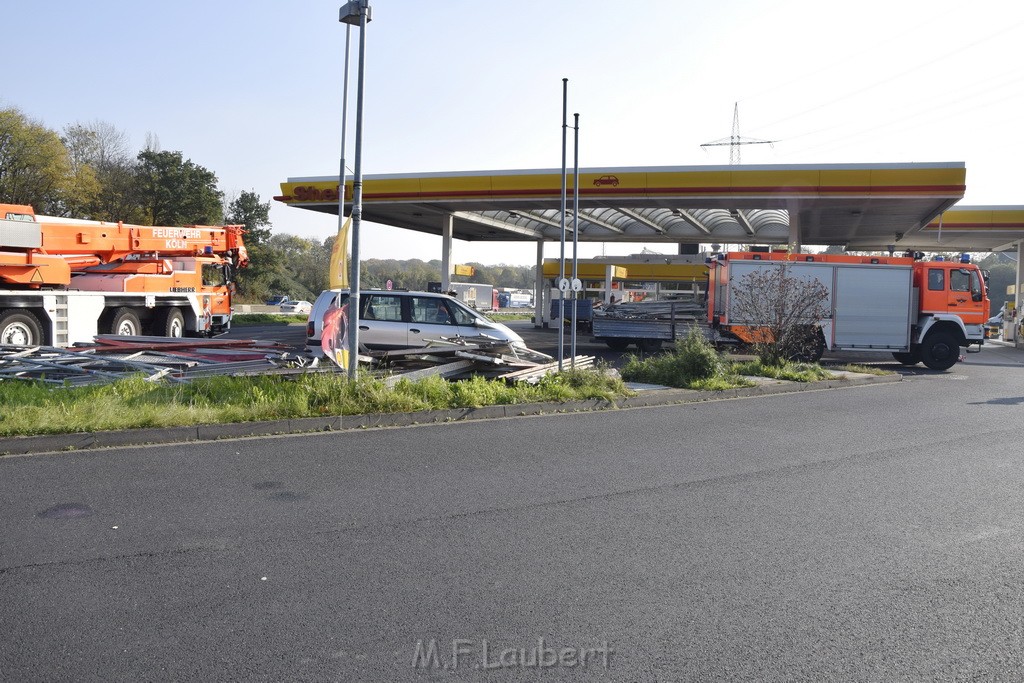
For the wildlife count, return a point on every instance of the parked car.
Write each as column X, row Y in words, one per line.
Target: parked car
column 994, row 326
column 278, row 299
column 398, row 320
column 296, row 307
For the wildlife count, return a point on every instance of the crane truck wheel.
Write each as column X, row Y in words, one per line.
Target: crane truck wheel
column 20, row 328
column 170, row 323
column 125, row 322
column 940, row 350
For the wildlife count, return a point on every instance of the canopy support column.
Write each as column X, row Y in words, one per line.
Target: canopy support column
column 795, row 243
column 446, row 252
column 608, row 270
column 539, row 288
column 1017, row 297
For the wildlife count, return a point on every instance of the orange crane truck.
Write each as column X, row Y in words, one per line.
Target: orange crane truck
column 919, row 311
column 64, row 280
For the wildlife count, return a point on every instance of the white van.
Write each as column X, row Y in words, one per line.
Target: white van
column 400, row 319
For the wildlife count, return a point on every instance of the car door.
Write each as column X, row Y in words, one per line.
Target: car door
column 430, row 318
column 381, row 325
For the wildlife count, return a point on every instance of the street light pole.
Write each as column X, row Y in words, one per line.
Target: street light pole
column 356, row 13
column 562, row 280
column 575, row 235
column 344, row 135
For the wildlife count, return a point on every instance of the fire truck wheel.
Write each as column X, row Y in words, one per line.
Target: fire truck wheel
column 813, row 351
column 909, row 358
column 170, row 323
column 20, row 328
column 940, row 350
column 125, row 323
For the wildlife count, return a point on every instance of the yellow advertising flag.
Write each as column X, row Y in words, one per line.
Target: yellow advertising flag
column 339, row 258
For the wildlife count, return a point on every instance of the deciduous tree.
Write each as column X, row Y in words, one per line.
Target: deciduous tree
column 247, row 209
column 100, row 149
column 784, row 309
column 175, row 191
column 34, row 165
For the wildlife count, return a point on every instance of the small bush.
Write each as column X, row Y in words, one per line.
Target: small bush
column 698, row 359
column 692, row 360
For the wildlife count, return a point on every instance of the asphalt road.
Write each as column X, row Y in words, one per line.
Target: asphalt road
column 863, row 534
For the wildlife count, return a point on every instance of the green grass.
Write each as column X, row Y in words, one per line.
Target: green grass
column 863, row 369
column 691, row 364
column 792, row 372
column 243, row 319
column 694, row 364
column 505, row 317
column 35, row 408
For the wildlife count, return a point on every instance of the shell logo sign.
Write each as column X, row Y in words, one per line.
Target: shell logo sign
column 308, row 192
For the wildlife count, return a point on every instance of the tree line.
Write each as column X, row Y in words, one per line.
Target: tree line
column 88, row 170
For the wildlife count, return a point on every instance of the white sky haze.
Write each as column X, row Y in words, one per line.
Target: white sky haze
column 252, row 89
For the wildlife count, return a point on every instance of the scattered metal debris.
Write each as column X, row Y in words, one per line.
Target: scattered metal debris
column 462, row 357
column 110, row 358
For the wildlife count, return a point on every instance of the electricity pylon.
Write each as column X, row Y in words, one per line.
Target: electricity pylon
column 736, row 140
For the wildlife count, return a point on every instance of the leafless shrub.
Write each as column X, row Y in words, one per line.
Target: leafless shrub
column 783, row 311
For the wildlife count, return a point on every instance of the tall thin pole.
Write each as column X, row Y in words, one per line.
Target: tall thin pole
column 575, row 232
column 344, row 134
column 561, row 258
column 357, row 203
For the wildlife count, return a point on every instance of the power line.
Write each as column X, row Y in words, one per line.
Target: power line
column 894, row 77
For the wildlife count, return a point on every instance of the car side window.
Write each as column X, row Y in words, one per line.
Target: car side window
column 936, row 280
column 461, row 315
column 431, row 311
column 960, row 280
column 383, row 307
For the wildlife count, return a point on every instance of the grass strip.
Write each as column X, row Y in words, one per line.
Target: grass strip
column 791, row 372
column 243, row 319
column 35, row 408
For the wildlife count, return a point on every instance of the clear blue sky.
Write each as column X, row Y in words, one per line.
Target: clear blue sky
column 252, row 90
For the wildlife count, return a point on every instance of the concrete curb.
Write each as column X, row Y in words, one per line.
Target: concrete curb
column 23, row 445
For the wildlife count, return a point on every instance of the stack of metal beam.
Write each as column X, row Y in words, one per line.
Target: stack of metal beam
column 463, row 357
column 112, row 358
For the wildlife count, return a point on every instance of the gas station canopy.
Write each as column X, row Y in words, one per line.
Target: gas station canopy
column 859, row 206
